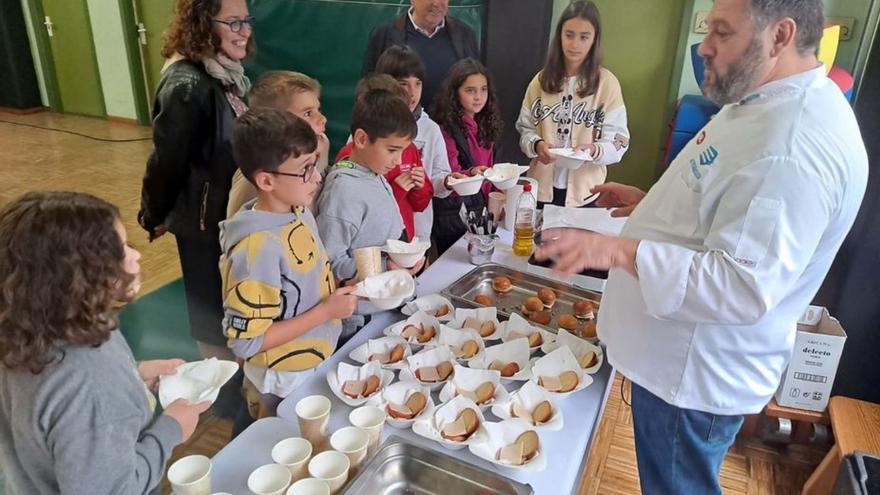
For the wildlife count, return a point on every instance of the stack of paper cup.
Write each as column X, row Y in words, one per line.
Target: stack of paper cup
column 512, row 198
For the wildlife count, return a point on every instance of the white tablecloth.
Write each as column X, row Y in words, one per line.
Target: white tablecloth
column 566, row 449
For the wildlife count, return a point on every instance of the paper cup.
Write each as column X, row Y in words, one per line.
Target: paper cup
column 496, row 204
column 191, row 475
column 313, row 413
column 293, row 453
column 269, row 479
column 353, row 442
column 368, row 261
column 332, row 467
column 371, row 419
column 309, row 486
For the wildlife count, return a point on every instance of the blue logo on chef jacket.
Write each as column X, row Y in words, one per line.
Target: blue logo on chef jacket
column 707, row 158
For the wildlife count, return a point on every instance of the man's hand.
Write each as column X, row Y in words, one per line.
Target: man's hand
column 623, row 199
column 574, row 251
column 157, row 232
column 543, row 151
column 150, row 371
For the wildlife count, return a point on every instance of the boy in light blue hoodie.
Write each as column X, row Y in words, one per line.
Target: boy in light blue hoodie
column 282, row 308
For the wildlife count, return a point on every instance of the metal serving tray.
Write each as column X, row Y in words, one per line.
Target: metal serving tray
column 400, row 467
column 479, row 281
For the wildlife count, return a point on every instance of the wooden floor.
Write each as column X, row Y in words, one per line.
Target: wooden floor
column 36, row 159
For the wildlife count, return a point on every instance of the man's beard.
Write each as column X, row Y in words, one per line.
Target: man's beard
column 739, row 79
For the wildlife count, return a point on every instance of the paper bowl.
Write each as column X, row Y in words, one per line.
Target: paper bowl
column 569, row 158
column 504, row 175
column 469, row 378
column 419, row 317
column 362, row 353
column 501, row 434
column 430, row 304
column 514, row 351
column 554, row 364
column 578, row 347
column 481, row 314
column 428, row 357
column 430, row 426
column 403, row 389
column 517, row 325
column 345, row 369
column 527, row 398
column 196, row 382
column 454, row 338
column 406, row 254
column 467, row 186
column 387, row 290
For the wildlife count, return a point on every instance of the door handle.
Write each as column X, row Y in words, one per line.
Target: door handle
column 48, row 23
column 142, row 33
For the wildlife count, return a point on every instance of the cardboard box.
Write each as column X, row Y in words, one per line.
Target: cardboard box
column 818, row 345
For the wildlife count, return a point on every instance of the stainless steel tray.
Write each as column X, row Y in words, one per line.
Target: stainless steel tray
column 400, row 467
column 479, row 281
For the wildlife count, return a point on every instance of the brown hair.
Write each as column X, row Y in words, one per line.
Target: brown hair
column 381, row 114
column 553, row 74
column 276, row 87
column 191, row 32
column 263, row 138
column 62, row 279
column 400, row 62
column 380, row 81
column 447, row 109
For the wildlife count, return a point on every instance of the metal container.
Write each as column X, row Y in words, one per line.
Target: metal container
column 400, row 467
column 479, row 282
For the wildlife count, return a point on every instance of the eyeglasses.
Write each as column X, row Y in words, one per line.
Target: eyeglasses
column 236, row 25
column 306, row 175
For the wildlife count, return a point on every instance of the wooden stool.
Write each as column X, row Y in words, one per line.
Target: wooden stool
column 856, row 426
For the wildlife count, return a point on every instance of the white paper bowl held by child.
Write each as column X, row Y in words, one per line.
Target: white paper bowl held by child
column 467, row 186
column 522, row 405
column 432, row 425
column 406, row 254
column 397, row 394
column 387, row 290
column 504, row 175
column 196, row 382
column 500, row 435
column 344, row 372
column 433, row 304
column 569, row 158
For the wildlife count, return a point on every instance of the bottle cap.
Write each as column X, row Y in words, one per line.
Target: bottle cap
column 527, row 187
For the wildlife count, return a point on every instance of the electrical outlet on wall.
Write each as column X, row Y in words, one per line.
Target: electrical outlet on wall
column 701, row 23
column 846, row 26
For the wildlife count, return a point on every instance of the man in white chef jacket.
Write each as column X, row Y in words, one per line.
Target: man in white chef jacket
column 719, row 260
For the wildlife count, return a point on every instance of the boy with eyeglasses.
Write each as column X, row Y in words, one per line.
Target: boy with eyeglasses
column 282, row 310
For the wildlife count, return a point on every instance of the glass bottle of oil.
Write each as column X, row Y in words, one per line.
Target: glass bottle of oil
column 524, row 227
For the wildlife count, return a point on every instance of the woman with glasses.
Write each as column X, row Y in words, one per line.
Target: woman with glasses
column 189, row 173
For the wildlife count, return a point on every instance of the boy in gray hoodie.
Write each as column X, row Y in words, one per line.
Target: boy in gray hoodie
column 357, row 206
column 282, row 308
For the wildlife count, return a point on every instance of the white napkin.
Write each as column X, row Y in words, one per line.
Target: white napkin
column 514, row 351
column 557, row 362
column 500, row 435
column 465, row 382
column 196, row 382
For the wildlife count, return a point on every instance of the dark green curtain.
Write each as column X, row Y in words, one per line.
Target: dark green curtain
column 326, row 39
